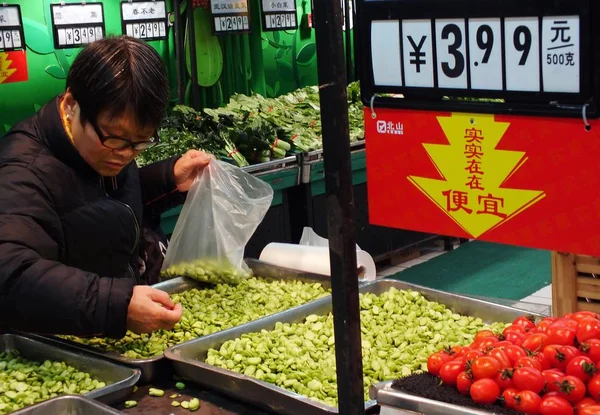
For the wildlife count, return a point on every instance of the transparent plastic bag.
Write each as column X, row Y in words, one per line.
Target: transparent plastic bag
column 223, row 208
column 311, row 238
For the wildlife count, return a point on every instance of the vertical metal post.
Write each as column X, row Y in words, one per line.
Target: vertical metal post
column 194, row 66
column 340, row 205
column 179, row 55
column 348, row 37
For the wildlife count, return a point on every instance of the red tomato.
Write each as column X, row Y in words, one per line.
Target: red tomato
column 540, row 357
column 485, row 367
column 515, row 337
column 487, row 343
column 561, row 335
column 504, row 380
column 483, row 334
column 581, row 367
column 529, row 362
column 528, row 378
column 503, row 344
column 473, row 354
column 591, row 348
column 571, row 388
column 560, row 356
column 552, row 378
column 570, row 353
column 588, row 329
column 450, row 371
column 555, row 405
column 514, row 353
column 528, row 402
column 436, row 361
column 593, row 387
column 520, row 329
column 582, row 315
column 565, row 322
column 528, row 322
column 501, row 357
column 535, row 342
column 508, row 396
column 484, row 391
column 587, row 401
column 590, row 410
column 463, row 383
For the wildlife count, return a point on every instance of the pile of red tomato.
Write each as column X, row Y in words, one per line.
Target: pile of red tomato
column 552, row 368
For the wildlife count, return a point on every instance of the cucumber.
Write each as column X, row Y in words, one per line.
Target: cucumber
column 209, row 56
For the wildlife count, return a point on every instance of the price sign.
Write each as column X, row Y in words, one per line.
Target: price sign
column 145, row 20
column 11, row 28
column 76, row 24
column 230, row 16
column 279, row 15
column 542, row 60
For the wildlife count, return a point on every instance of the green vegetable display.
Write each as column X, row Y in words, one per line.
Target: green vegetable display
column 25, row 382
column 252, row 129
column 211, row 272
column 209, row 310
column 400, row 329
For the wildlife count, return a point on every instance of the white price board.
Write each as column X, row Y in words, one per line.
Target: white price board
column 77, row 24
column 277, row 6
column 482, row 54
column 274, row 21
column 560, row 54
column 145, row 20
column 11, row 28
column 231, row 24
column 230, row 16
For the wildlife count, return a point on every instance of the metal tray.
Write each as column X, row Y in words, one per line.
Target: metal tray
column 120, row 380
column 188, row 358
column 68, row 405
column 395, row 402
column 152, row 367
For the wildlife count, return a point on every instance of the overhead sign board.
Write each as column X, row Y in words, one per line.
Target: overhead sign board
column 146, row 20
column 536, row 56
column 230, row 16
column 11, row 28
column 279, row 15
column 76, row 24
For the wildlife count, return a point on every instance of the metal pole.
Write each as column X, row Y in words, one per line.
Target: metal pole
column 340, row 205
column 348, row 37
column 179, row 56
column 193, row 63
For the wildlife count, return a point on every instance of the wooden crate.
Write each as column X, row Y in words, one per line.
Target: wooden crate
column 575, row 283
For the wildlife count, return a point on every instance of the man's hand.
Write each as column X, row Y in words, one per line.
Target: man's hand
column 188, row 166
column 144, row 313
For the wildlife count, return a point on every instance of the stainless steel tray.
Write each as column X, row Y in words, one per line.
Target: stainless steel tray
column 119, row 380
column 395, row 402
column 68, row 405
column 188, row 358
column 153, row 366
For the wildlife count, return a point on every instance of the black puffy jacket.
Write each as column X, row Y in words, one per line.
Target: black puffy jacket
column 69, row 238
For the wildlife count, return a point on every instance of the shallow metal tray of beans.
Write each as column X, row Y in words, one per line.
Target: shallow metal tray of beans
column 153, row 367
column 119, row 379
column 68, row 405
column 188, row 358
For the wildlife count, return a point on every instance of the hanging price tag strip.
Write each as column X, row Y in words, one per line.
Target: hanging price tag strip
column 76, row 24
column 145, row 20
column 11, row 28
column 279, row 15
column 230, row 16
column 529, row 60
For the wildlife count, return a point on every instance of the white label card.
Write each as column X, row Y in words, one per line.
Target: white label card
column 521, row 40
column 74, row 14
column 561, row 54
column 9, row 16
column 231, row 23
column 386, row 52
column 270, row 6
column 144, row 10
column 8, row 39
column 228, row 6
column 485, row 49
column 450, row 38
column 417, row 51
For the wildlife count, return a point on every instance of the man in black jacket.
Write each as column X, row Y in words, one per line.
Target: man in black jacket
column 72, row 199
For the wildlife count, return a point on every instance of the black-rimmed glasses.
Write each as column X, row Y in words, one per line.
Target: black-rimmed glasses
column 119, row 143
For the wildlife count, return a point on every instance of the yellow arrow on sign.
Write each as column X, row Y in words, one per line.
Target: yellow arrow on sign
column 5, row 72
column 474, row 171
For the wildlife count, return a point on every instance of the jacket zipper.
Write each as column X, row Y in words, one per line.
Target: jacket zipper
column 135, row 221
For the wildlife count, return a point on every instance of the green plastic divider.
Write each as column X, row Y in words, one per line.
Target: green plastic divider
column 359, row 173
column 279, row 181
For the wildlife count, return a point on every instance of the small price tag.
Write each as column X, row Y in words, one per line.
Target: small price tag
column 560, row 54
column 521, row 37
column 11, row 28
column 230, row 16
column 417, row 48
column 144, row 19
column 485, row 46
column 76, row 24
column 451, row 53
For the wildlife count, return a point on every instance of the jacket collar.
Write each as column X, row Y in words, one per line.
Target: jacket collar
column 53, row 131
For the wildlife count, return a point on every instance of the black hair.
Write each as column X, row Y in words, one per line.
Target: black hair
column 119, row 74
